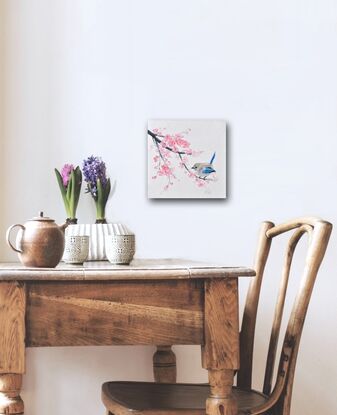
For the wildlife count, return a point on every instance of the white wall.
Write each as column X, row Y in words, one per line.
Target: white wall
column 82, row 77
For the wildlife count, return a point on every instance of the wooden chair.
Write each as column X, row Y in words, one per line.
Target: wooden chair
column 120, row 398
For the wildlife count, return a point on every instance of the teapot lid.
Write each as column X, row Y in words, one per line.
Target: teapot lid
column 42, row 218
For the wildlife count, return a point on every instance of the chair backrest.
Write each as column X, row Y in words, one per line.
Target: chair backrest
column 280, row 394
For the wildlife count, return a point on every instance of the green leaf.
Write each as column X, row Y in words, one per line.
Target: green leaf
column 69, row 189
column 100, row 204
column 100, row 192
column 107, row 190
column 60, row 181
column 78, row 175
column 77, row 187
column 63, row 190
column 68, row 197
column 72, row 194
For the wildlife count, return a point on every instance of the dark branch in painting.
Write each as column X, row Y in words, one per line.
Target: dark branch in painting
column 159, row 141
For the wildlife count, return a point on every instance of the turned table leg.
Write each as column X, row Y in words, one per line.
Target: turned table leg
column 12, row 346
column 220, row 352
column 164, row 365
column 221, row 401
column 10, row 400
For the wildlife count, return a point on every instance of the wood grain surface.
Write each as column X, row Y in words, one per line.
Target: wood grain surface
column 12, row 327
column 12, row 346
column 221, row 348
column 138, row 269
column 105, row 313
column 146, row 398
column 220, row 352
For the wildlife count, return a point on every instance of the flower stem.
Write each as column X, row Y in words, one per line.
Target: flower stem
column 100, row 211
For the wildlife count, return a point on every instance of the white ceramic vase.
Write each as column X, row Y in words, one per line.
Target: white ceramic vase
column 120, row 249
column 97, row 233
column 76, row 249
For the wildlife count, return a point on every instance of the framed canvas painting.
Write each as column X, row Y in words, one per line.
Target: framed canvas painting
column 186, row 159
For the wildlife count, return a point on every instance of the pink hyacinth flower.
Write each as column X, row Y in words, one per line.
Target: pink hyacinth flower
column 65, row 173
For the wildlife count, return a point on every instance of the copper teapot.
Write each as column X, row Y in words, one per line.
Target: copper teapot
column 40, row 242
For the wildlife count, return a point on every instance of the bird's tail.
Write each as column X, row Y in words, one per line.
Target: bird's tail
column 212, row 159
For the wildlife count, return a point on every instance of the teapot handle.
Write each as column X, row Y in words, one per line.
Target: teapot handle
column 8, row 233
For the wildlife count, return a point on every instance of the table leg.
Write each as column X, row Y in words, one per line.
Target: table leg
column 220, row 352
column 221, row 401
column 164, row 365
column 12, row 346
column 10, row 400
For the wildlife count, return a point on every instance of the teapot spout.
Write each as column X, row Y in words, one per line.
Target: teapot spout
column 63, row 226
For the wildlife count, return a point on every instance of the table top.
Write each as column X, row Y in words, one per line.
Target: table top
column 144, row 269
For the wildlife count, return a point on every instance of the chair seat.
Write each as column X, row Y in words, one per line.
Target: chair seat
column 148, row 397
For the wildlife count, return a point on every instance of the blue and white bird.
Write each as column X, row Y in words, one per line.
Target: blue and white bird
column 204, row 169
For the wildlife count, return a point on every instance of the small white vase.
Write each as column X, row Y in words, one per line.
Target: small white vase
column 120, row 249
column 76, row 249
column 97, row 233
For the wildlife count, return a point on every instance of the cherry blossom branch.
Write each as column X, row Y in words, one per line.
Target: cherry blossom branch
column 157, row 145
column 184, row 164
column 158, row 141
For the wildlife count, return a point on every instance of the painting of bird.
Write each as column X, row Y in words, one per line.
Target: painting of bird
column 204, row 169
column 187, row 159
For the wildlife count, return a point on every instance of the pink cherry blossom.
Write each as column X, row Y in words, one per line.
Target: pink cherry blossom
column 182, row 143
column 165, row 170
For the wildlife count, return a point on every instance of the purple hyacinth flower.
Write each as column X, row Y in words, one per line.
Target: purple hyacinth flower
column 93, row 169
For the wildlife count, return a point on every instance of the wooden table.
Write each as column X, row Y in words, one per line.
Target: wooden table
column 159, row 302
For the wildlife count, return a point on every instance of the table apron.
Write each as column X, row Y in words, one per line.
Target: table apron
column 77, row 313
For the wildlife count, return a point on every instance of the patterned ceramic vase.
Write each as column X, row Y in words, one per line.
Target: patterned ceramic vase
column 76, row 249
column 120, row 249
